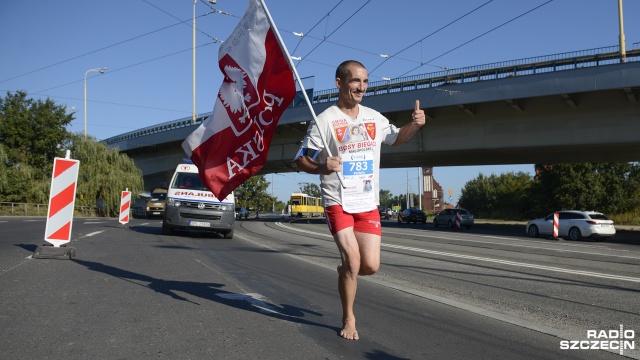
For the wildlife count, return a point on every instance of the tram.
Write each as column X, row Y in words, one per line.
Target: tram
column 305, row 205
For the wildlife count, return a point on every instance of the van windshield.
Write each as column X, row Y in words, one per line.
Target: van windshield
column 188, row 181
column 158, row 197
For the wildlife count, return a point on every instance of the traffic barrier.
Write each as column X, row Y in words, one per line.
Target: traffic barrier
column 125, row 206
column 555, row 225
column 458, row 220
column 62, row 198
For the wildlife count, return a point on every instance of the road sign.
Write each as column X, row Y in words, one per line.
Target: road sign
column 62, row 199
column 125, row 205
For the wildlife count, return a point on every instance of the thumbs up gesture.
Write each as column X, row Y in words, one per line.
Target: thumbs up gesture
column 418, row 115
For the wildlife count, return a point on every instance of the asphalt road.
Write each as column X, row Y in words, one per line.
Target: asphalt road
column 271, row 293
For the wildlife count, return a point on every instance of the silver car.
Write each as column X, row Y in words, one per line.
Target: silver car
column 574, row 225
column 448, row 217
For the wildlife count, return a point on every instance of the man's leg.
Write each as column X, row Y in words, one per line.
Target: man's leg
column 348, row 279
column 360, row 253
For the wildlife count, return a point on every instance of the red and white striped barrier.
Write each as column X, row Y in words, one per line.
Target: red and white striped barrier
column 458, row 220
column 62, row 199
column 555, row 225
column 125, row 206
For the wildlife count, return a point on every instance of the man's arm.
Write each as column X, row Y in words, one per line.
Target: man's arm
column 407, row 131
column 308, row 165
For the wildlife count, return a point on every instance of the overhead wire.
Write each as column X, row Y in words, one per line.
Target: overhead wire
column 323, row 40
column 316, row 24
column 97, row 50
column 433, row 33
column 128, row 66
column 336, row 29
column 475, row 38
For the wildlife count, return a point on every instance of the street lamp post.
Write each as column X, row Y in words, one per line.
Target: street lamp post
column 101, row 71
column 193, row 115
column 193, row 119
column 623, row 51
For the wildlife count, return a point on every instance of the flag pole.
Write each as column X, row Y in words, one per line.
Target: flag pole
column 295, row 72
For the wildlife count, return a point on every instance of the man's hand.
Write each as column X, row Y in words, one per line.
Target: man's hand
column 333, row 164
column 418, row 115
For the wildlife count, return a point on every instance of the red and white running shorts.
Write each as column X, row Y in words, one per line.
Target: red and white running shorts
column 366, row 222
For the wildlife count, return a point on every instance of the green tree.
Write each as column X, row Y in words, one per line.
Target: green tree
column 608, row 187
column 4, row 169
column 386, row 198
column 31, row 132
column 254, row 194
column 504, row 196
column 279, row 206
column 310, row 189
column 104, row 174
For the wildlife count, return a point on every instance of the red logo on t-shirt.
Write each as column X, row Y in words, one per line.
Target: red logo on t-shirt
column 371, row 130
column 342, row 134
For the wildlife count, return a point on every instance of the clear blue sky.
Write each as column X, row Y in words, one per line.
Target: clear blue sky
column 47, row 46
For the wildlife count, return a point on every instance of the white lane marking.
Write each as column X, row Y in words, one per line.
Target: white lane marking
column 514, row 263
column 94, row 233
column 254, row 299
column 531, row 246
column 498, row 243
column 457, row 304
column 6, row 271
column 504, row 262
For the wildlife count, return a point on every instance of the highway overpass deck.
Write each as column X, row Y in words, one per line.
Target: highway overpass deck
column 572, row 107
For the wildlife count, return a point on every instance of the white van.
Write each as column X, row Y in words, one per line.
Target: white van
column 191, row 206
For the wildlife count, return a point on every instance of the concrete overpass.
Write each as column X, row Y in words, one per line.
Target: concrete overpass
column 565, row 108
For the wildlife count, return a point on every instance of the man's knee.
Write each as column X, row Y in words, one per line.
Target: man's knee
column 369, row 269
column 351, row 267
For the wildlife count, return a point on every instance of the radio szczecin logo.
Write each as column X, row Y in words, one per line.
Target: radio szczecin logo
column 603, row 340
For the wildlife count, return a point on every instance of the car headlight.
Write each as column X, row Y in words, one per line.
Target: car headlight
column 227, row 207
column 173, row 202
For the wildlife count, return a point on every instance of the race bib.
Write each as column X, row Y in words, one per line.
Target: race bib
column 358, row 193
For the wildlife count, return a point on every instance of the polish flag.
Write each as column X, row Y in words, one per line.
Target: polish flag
column 232, row 144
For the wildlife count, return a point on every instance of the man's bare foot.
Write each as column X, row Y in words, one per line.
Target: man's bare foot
column 349, row 331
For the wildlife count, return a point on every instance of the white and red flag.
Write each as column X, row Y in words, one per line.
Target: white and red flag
column 232, row 144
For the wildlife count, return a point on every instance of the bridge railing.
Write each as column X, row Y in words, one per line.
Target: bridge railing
column 498, row 70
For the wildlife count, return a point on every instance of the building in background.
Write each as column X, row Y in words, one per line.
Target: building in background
column 432, row 193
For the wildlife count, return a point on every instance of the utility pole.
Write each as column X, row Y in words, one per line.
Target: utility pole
column 623, row 51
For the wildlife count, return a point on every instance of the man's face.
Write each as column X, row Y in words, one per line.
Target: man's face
column 352, row 89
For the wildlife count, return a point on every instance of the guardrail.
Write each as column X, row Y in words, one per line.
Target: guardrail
column 521, row 67
column 26, row 209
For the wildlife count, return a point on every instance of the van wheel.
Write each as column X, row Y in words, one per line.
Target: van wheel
column 228, row 235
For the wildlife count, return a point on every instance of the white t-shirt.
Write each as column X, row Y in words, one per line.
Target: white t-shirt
column 347, row 135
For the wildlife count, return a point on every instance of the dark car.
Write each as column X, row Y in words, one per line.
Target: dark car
column 384, row 212
column 412, row 216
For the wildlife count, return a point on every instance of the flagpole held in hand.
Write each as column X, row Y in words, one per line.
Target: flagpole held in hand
column 295, row 72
